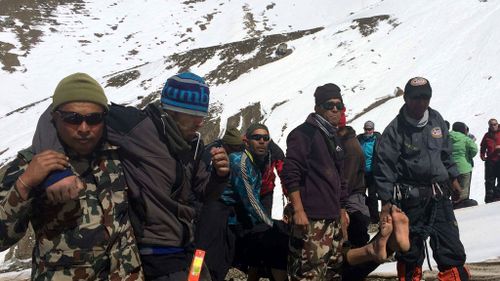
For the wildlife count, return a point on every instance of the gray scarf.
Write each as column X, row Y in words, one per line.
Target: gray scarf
column 175, row 143
column 325, row 126
column 416, row 122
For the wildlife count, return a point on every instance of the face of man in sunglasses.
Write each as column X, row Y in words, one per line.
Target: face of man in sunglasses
column 257, row 144
column 81, row 138
column 331, row 115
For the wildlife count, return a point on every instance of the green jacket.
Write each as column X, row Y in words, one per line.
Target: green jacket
column 89, row 238
column 464, row 149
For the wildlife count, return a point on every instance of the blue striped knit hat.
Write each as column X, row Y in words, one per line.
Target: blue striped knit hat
column 187, row 93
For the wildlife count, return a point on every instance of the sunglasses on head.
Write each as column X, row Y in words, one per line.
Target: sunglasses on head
column 329, row 105
column 259, row 136
column 74, row 118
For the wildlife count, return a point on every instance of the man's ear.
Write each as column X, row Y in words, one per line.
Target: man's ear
column 53, row 116
column 245, row 141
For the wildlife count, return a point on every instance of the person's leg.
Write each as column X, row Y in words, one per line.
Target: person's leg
column 489, row 181
column 372, row 199
column 335, row 258
column 358, row 229
column 409, row 264
column 375, row 250
column 276, row 253
column 400, row 237
column 253, row 274
column 310, row 250
column 358, row 237
column 279, row 274
column 214, row 237
column 496, row 169
column 179, row 275
column 448, row 251
column 464, row 181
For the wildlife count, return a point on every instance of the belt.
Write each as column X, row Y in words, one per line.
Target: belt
column 159, row 250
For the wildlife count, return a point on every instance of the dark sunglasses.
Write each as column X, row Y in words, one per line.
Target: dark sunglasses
column 493, row 124
column 74, row 118
column 259, row 136
column 330, row 105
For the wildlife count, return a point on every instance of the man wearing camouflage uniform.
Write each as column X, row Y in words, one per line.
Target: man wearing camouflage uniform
column 82, row 230
column 313, row 176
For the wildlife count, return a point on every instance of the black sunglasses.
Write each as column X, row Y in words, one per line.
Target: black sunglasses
column 74, row 118
column 259, row 136
column 329, row 105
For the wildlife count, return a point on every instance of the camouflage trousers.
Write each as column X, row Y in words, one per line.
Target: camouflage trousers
column 316, row 253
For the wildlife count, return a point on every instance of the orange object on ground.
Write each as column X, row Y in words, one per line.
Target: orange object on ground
column 196, row 265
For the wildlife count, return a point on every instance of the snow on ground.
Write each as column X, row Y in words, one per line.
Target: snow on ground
column 477, row 233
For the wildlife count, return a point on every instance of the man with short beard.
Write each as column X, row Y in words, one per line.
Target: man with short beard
column 252, row 223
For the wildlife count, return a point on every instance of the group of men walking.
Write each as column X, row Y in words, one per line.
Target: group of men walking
column 117, row 193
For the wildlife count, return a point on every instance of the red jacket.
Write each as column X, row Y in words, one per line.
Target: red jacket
column 275, row 162
column 269, row 176
column 488, row 144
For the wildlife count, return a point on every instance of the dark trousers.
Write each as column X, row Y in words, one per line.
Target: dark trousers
column 358, row 229
column 358, row 237
column 435, row 218
column 212, row 235
column 372, row 199
column 492, row 181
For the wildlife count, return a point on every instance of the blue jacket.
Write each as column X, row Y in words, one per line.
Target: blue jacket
column 368, row 144
column 243, row 191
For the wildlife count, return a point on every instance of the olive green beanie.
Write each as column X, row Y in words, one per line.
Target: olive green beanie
column 78, row 87
column 232, row 137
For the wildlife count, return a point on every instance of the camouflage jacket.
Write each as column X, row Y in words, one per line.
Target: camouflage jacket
column 85, row 239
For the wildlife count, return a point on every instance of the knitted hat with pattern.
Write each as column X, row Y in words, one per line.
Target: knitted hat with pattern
column 187, row 93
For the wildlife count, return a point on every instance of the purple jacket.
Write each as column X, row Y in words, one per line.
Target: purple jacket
column 314, row 166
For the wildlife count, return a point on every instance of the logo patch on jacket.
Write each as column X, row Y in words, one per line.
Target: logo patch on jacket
column 436, row 133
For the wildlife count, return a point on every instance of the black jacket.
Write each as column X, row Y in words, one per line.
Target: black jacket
column 314, row 166
column 410, row 155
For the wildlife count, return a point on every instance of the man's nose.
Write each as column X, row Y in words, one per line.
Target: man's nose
column 84, row 127
column 199, row 122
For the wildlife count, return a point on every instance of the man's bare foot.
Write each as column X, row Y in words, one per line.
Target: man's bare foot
column 378, row 246
column 400, row 238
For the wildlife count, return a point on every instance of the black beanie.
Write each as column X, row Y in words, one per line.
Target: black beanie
column 418, row 87
column 459, row 127
column 327, row 92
